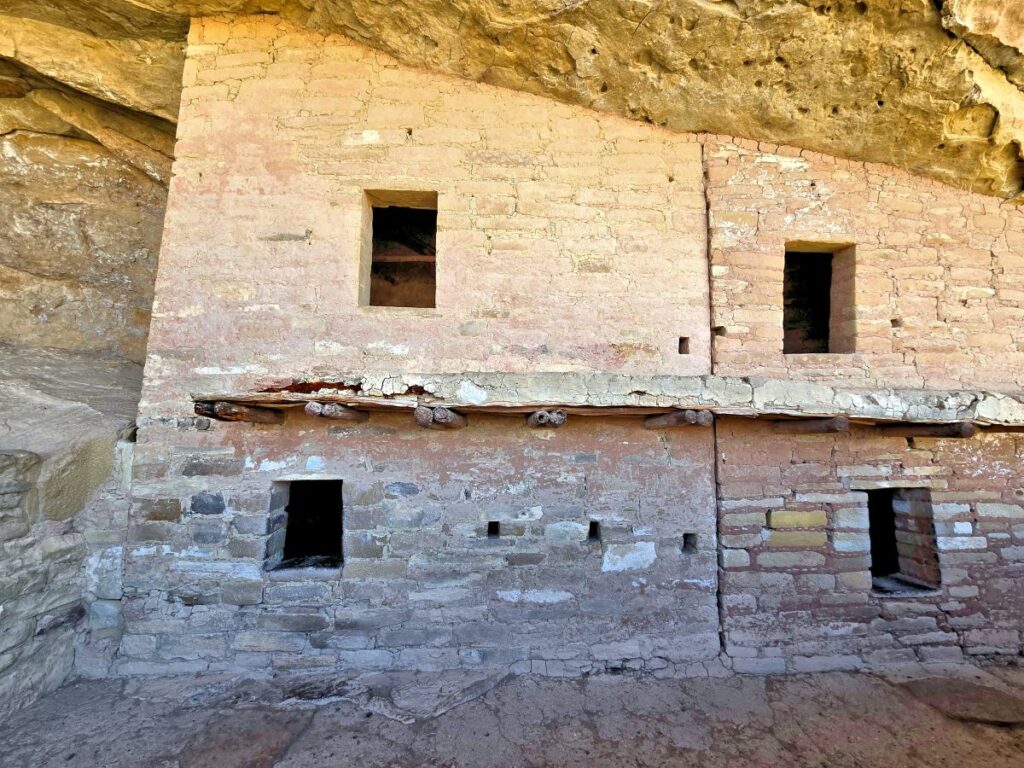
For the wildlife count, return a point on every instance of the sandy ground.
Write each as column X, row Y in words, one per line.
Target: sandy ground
column 957, row 717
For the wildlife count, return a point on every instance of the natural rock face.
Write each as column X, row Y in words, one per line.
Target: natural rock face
column 933, row 89
column 994, row 29
column 60, row 543
column 934, row 86
column 83, row 189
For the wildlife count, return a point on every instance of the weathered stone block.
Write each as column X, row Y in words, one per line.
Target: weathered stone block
column 629, row 557
column 242, row 592
column 207, row 503
column 205, row 466
column 734, row 558
column 1000, row 511
column 268, row 642
column 293, row 621
column 791, row 518
column 790, row 559
column 166, row 510
column 791, row 539
column 851, row 542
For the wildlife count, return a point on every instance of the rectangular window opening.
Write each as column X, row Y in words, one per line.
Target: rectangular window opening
column 312, row 525
column 403, row 266
column 904, row 551
column 493, row 529
column 684, row 345
column 594, row 531
column 689, row 543
column 818, row 301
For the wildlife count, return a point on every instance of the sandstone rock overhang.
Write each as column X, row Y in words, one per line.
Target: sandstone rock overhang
column 933, row 86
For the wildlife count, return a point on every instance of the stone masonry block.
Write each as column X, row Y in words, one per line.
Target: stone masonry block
column 207, row 503
column 791, row 518
column 790, row 539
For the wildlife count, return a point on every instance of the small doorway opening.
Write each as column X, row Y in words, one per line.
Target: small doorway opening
column 904, row 551
column 313, row 525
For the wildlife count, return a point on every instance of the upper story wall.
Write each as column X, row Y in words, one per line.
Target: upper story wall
column 937, row 296
column 567, row 240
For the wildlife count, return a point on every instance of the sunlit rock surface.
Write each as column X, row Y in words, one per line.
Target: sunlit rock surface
column 89, row 91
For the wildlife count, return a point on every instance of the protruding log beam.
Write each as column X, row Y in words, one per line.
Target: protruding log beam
column 958, row 429
column 680, row 419
column 335, row 411
column 223, row 411
column 553, row 418
column 812, row 426
column 439, row 417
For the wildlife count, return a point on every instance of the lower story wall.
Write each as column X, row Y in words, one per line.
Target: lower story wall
column 784, row 584
column 423, row 585
column 796, row 547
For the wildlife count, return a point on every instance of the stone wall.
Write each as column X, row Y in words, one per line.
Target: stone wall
column 41, row 601
column 936, row 300
column 423, row 585
column 793, row 527
column 64, row 468
column 571, row 257
column 549, row 217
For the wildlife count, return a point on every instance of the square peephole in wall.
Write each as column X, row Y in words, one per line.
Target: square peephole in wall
column 308, row 534
column 403, row 249
column 818, row 299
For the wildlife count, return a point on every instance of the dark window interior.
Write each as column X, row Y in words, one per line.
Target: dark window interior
column 807, row 286
column 689, row 543
column 594, row 532
column 403, row 266
column 493, row 529
column 904, row 554
column 885, row 559
column 313, row 532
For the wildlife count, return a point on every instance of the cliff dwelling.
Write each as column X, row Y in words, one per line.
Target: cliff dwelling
column 437, row 373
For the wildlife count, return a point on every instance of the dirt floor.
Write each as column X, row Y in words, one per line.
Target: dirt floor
column 957, row 717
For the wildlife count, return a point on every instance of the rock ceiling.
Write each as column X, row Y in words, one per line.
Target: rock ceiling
column 934, row 86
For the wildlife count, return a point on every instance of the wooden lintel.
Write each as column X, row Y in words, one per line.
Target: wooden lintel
column 812, row 426
column 680, row 418
column 335, row 411
column 957, row 429
column 224, row 411
column 439, row 417
column 547, row 418
column 1009, row 428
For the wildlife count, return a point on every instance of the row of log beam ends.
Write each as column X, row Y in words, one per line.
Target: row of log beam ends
column 444, row 418
column 899, row 429
column 681, row 418
column 812, row 426
column 223, row 411
column 439, row 417
column 335, row 411
column 549, row 419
